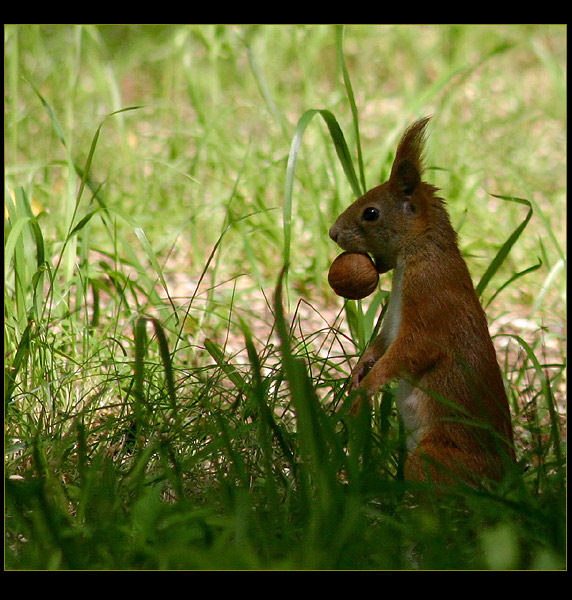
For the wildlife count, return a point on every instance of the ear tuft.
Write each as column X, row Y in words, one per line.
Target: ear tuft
column 408, row 177
column 408, row 164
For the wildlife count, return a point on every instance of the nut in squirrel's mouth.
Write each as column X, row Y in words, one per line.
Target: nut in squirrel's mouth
column 380, row 264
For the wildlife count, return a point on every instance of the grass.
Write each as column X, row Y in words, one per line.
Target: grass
column 174, row 397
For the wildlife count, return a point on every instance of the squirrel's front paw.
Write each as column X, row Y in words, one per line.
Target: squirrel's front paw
column 360, row 371
column 357, row 378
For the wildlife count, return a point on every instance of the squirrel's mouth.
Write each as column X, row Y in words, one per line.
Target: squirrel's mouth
column 381, row 265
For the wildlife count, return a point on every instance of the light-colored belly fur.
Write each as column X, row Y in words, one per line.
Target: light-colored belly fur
column 408, row 398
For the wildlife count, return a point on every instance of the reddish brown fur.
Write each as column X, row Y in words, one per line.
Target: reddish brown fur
column 435, row 337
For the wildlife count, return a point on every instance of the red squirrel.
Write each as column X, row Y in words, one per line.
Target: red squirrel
column 434, row 338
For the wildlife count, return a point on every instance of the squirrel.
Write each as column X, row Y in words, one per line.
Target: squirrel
column 434, row 337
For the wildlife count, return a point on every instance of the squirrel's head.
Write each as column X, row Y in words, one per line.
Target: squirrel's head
column 389, row 218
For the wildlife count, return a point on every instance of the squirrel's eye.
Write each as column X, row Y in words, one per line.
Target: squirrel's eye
column 370, row 214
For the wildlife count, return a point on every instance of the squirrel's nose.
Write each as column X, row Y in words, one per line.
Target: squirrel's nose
column 334, row 233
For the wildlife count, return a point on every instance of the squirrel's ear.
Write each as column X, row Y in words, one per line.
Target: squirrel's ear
column 408, row 164
column 405, row 178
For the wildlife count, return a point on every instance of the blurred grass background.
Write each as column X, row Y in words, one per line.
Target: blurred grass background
column 173, row 211
column 219, row 106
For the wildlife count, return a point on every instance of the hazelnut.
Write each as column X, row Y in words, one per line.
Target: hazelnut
column 353, row 275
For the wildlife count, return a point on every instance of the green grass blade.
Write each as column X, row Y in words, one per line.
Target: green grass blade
column 351, row 99
column 83, row 222
column 84, row 172
column 513, row 279
column 321, row 454
column 167, row 364
column 140, row 338
column 11, row 372
column 14, row 234
column 550, row 280
column 229, row 370
column 149, row 253
column 23, row 230
column 344, row 157
column 506, row 247
column 547, row 394
column 263, row 87
column 52, row 115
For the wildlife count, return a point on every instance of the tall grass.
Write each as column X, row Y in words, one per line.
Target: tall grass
column 175, row 367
